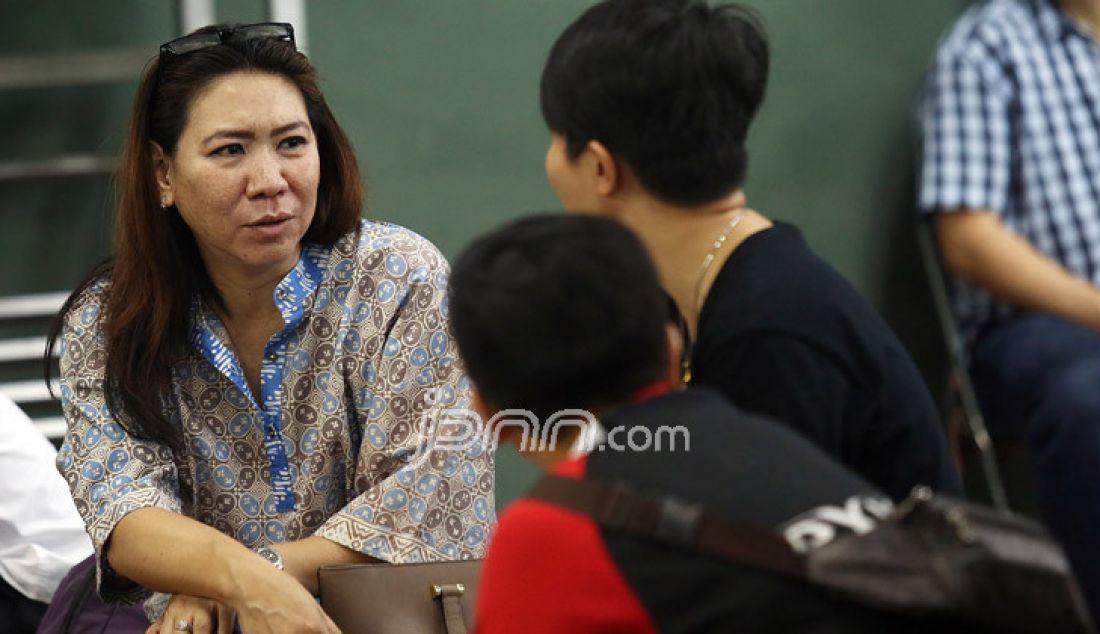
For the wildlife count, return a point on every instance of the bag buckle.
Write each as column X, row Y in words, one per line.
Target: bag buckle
column 668, row 519
column 448, row 590
column 678, row 521
column 448, row 595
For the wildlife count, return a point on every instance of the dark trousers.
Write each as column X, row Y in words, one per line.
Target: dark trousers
column 18, row 614
column 1037, row 379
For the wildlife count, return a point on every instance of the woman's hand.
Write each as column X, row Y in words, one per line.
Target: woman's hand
column 269, row 601
column 204, row 616
column 286, row 616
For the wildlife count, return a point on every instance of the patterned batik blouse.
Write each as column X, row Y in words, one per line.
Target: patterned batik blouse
column 339, row 444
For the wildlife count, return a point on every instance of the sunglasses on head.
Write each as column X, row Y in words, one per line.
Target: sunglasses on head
column 199, row 41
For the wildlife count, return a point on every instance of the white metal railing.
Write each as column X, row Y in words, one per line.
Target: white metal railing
column 23, row 306
column 52, row 427
column 29, row 391
column 22, row 349
column 57, row 167
column 23, row 356
column 72, row 68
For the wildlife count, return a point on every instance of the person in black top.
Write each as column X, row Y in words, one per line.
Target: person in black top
column 648, row 103
column 554, row 313
column 781, row 333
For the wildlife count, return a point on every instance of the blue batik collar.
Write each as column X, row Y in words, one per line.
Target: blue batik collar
column 290, row 296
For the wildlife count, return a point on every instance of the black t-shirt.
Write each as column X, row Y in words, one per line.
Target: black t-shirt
column 553, row 570
column 784, row 335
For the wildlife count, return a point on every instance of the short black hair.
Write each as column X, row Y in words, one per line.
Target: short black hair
column 668, row 86
column 554, row 312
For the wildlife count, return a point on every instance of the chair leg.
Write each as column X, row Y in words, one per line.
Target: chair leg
column 965, row 420
column 990, row 469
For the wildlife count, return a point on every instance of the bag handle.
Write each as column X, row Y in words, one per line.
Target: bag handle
column 672, row 521
column 450, row 600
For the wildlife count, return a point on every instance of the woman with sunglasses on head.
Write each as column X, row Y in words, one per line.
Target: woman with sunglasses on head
column 245, row 380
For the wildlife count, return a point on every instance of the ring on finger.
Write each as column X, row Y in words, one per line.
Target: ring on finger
column 182, row 625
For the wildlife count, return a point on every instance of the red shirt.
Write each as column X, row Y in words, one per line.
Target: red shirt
column 548, row 570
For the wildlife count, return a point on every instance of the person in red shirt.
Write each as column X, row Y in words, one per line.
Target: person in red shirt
column 561, row 319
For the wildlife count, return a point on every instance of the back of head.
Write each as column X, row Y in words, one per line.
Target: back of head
column 668, row 86
column 554, row 312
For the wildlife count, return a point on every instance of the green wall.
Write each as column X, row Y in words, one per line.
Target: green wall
column 440, row 99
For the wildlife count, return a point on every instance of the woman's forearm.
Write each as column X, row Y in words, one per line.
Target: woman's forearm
column 302, row 558
column 168, row 552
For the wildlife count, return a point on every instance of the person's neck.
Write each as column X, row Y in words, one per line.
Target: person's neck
column 679, row 239
column 550, row 457
column 547, row 460
column 1086, row 12
column 247, row 294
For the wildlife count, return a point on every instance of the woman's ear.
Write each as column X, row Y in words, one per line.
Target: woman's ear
column 162, row 169
column 608, row 175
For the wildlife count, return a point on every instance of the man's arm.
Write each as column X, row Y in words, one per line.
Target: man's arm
column 975, row 245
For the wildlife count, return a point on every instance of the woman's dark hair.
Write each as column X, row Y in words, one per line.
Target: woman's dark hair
column 155, row 269
column 668, row 86
column 554, row 312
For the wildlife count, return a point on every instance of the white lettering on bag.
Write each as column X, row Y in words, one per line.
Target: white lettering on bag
column 817, row 527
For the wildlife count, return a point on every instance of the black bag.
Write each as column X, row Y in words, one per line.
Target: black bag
column 933, row 557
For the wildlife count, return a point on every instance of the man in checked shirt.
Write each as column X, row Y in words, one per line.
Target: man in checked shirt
column 1011, row 182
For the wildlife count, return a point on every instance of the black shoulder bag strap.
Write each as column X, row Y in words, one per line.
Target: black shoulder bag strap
column 671, row 521
column 999, row 572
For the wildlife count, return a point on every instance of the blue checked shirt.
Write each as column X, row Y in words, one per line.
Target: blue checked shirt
column 1011, row 123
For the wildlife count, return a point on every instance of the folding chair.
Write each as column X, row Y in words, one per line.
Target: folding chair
column 960, row 376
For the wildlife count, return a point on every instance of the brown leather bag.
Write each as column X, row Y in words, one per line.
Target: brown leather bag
column 425, row 598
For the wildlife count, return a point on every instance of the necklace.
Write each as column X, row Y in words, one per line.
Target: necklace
column 697, row 296
column 708, row 261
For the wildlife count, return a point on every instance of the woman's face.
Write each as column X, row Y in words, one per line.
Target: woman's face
column 244, row 174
